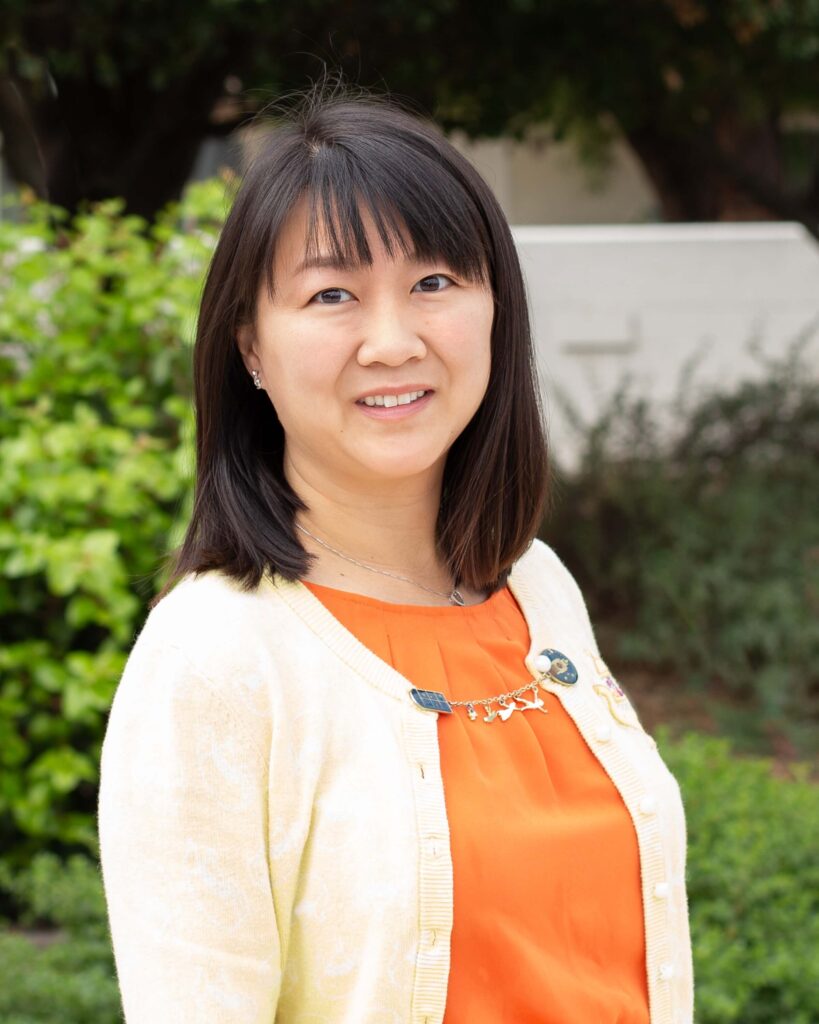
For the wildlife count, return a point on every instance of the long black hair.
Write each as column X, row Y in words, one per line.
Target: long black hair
column 343, row 149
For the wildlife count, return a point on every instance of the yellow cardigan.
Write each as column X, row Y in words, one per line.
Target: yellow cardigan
column 273, row 834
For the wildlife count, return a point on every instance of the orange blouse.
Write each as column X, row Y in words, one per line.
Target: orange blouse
column 547, row 916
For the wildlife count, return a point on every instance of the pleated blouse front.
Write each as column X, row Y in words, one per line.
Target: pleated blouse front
column 548, row 917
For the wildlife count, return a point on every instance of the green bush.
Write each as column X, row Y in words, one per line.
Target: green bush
column 95, row 471
column 753, row 883
column 71, row 979
column 753, row 889
column 697, row 547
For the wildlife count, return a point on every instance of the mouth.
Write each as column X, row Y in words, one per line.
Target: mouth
column 392, row 401
column 395, row 407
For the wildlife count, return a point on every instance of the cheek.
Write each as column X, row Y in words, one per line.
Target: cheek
column 472, row 345
column 301, row 363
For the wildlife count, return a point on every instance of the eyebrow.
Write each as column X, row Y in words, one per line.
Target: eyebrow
column 328, row 262
column 321, row 262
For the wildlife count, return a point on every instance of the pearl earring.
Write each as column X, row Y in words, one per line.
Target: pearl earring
column 257, row 380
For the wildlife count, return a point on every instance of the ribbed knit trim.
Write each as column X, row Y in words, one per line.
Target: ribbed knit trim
column 620, row 768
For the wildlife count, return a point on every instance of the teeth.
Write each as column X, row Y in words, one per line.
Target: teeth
column 389, row 401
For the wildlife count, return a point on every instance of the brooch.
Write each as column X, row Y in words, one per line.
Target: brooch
column 551, row 664
column 610, row 690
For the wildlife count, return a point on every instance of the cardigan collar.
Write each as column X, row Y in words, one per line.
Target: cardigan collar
column 301, row 600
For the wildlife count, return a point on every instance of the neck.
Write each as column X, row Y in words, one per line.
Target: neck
column 388, row 527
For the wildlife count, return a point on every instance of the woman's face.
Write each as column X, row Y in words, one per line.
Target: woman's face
column 332, row 337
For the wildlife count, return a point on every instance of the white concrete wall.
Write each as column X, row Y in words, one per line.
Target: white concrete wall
column 641, row 300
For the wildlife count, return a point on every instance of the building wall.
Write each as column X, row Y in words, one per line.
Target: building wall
column 541, row 181
column 640, row 303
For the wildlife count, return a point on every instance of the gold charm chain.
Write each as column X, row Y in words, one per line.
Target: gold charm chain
column 506, row 709
column 491, row 700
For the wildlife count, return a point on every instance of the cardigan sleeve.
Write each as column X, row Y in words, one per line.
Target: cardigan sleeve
column 182, row 821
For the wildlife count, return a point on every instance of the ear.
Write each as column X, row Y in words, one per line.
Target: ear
column 246, row 343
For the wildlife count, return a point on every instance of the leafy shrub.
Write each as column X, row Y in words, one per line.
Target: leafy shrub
column 95, row 471
column 698, row 545
column 753, row 883
column 70, row 980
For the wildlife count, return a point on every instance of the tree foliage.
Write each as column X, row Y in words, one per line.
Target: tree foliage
column 714, row 96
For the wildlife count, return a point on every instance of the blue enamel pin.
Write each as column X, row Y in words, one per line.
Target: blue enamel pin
column 431, row 700
column 555, row 664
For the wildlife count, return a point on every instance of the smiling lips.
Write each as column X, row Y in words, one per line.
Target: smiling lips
column 395, row 405
column 389, row 401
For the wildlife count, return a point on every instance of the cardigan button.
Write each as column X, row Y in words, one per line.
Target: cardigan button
column 543, row 663
column 648, row 805
column 666, row 971
column 603, row 732
column 661, row 890
column 434, row 847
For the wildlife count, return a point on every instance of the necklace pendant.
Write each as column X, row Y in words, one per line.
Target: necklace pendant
column 507, row 709
column 536, row 703
column 456, row 597
column 470, row 710
column 503, row 712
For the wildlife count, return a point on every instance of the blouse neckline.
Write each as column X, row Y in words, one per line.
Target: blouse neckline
column 301, row 600
column 450, row 611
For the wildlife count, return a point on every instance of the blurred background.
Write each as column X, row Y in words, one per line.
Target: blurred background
column 659, row 163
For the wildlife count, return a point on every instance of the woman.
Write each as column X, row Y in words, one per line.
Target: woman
column 365, row 763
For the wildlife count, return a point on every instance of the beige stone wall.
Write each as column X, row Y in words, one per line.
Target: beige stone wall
column 541, row 181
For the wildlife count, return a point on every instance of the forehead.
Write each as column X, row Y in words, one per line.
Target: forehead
column 310, row 239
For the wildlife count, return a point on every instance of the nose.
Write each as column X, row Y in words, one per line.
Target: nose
column 390, row 338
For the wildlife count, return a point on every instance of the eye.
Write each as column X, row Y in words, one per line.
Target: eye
column 333, row 297
column 434, row 277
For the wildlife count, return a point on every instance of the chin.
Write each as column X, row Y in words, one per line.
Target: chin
column 401, row 465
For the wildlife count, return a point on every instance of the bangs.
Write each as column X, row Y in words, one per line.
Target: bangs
column 418, row 208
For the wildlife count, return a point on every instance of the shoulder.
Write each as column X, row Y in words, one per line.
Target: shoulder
column 542, row 563
column 547, row 575
column 204, row 607
column 211, row 636
column 211, row 615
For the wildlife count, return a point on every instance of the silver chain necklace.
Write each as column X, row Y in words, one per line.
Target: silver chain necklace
column 454, row 596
